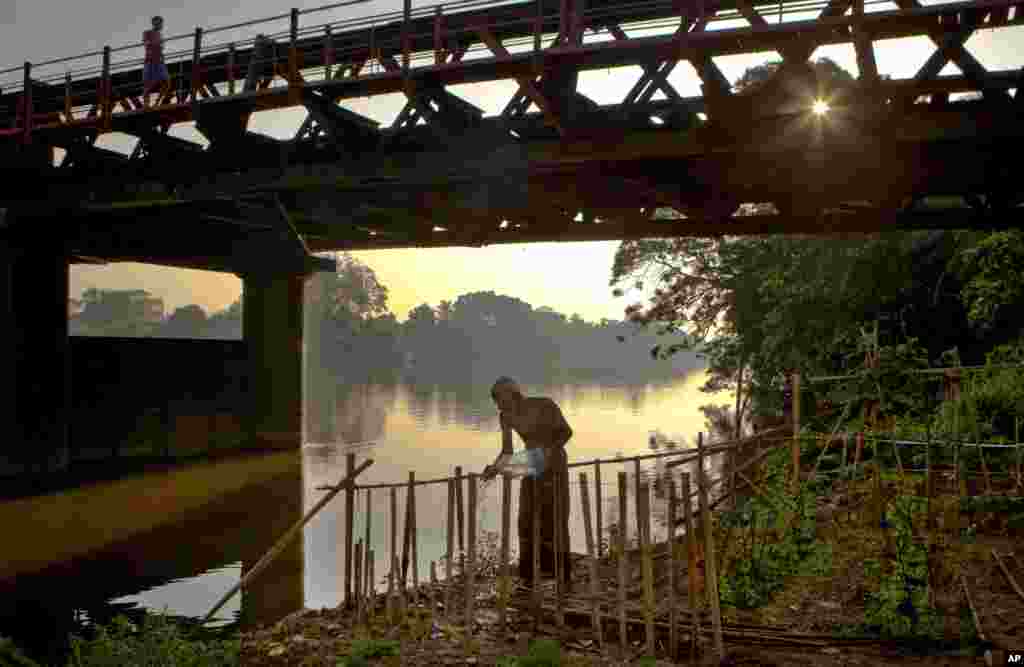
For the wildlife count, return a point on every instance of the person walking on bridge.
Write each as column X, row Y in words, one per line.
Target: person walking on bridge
column 154, row 71
column 542, row 426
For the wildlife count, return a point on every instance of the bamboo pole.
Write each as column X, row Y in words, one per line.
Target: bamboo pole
column 432, row 593
column 461, row 519
column 394, row 526
column 400, row 584
column 985, row 470
column 506, row 530
column 636, row 495
column 599, row 506
column 673, row 616
column 691, row 550
column 450, row 535
column 357, row 583
column 366, row 549
column 899, row 460
column 558, row 546
column 646, row 566
column 350, row 506
column 796, row 431
column 389, row 603
column 623, row 639
column 285, row 540
column 406, row 537
column 711, row 576
column 414, row 540
column 1020, row 452
column 595, row 597
column 371, row 593
column 471, row 560
column 535, row 510
column 701, row 483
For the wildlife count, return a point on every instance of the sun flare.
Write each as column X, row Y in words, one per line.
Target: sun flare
column 820, row 107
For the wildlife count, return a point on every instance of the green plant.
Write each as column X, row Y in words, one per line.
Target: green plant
column 762, row 570
column 159, row 642
column 11, row 655
column 364, row 649
column 900, row 606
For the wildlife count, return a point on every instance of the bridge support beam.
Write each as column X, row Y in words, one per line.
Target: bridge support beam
column 36, row 359
column 272, row 329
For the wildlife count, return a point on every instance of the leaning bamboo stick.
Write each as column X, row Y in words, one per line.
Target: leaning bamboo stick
column 673, row 616
column 1009, row 577
column 389, row 602
column 591, row 559
column 691, row 549
column 623, row 639
column 400, row 584
column 432, row 593
column 711, row 576
column 646, row 570
column 599, row 506
column 291, row 534
column 406, row 537
column 506, row 530
column 471, row 560
column 977, row 621
column 985, row 471
column 450, row 537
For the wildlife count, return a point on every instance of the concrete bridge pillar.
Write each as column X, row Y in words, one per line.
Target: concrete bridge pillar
column 272, row 329
column 35, row 359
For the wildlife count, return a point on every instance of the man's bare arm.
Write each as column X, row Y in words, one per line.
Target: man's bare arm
column 561, row 432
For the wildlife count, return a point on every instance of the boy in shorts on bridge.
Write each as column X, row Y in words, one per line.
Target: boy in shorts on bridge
column 154, row 72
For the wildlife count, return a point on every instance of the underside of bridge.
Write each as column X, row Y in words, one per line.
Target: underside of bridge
column 888, row 154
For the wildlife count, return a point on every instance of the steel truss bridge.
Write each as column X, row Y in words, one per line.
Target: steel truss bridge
column 554, row 165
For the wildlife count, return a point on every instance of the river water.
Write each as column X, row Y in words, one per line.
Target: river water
column 185, row 566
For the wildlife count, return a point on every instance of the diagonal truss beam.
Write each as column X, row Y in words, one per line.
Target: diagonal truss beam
column 527, row 86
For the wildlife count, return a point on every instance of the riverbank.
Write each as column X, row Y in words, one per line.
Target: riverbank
column 855, row 577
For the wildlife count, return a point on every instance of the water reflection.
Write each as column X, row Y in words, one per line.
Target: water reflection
column 429, row 429
column 185, row 566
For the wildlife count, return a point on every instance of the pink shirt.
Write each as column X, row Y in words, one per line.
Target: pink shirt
column 154, row 47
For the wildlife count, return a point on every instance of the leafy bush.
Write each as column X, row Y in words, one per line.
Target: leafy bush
column 542, row 653
column 364, row 649
column 158, row 643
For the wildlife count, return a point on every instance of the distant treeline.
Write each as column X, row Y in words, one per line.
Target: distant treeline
column 352, row 334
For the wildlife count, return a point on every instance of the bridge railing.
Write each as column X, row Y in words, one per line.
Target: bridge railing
column 95, row 84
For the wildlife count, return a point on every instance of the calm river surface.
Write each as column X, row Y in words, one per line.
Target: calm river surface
column 186, row 566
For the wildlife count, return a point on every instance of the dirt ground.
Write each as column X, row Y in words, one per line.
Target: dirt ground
column 797, row 627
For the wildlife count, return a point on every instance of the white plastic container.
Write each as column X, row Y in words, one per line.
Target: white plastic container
column 524, row 463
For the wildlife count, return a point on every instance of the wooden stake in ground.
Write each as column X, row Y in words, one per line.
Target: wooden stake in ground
column 366, row 549
column 414, row 538
column 984, row 468
column 691, row 569
column 350, row 509
column 506, row 530
column 559, row 544
column 673, row 616
column 394, row 526
column 796, row 432
column 461, row 519
column 595, row 596
column 643, row 505
column 433, row 591
column 471, row 560
column 599, row 506
column 535, row 510
column 358, row 593
column 711, row 576
column 401, row 588
column 286, row 539
column 389, row 602
column 623, row 639
column 636, row 495
column 371, row 593
column 449, row 612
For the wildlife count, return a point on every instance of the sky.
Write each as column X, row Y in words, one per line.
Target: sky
column 569, row 277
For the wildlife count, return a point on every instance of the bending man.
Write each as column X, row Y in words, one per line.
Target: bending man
column 541, row 425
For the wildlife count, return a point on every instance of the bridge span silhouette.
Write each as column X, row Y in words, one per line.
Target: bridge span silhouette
column 554, row 165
